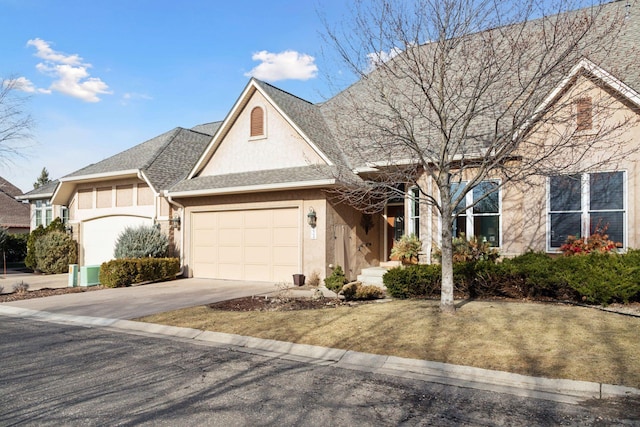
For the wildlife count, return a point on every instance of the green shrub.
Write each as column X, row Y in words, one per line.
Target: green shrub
column 31, row 260
column 469, row 250
column 125, row 272
column 413, row 281
column 406, row 248
column 141, row 242
column 16, row 247
column 336, row 280
column 54, row 251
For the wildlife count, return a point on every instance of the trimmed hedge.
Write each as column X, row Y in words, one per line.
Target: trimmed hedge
column 125, row 272
column 595, row 278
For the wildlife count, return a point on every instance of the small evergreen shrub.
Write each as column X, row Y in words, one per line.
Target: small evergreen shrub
column 469, row 250
column 141, row 242
column 406, row 248
column 413, row 281
column 54, row 251
column 349, row 290
column 31, row 260
column 126, row 272
column 336, row 280
column 16, row 247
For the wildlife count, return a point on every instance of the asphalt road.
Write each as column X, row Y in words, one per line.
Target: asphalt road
column 53, row 374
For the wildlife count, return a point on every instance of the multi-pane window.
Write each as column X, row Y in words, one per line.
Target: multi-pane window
column 582, row 204
column 478, row 214
column 43, row 213
column 414, row 211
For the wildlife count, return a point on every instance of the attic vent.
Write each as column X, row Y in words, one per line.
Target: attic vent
column 257, row 122
column 584, row 120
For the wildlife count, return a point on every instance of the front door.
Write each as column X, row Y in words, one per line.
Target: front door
column 395, row 225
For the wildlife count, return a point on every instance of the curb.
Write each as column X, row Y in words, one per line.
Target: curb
column 558, row 390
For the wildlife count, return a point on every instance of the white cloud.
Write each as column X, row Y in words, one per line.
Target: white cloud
column 69, row 73
column 378, row 58
column 287, row 65
column 132, row 96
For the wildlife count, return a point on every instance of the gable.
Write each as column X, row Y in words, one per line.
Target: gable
column 281, row 145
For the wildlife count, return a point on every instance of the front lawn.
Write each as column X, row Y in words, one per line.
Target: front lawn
column 540, row 339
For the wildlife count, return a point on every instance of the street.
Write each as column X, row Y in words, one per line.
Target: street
column 55, row 374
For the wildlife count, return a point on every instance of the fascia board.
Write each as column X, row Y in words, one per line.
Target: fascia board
column 254, row 188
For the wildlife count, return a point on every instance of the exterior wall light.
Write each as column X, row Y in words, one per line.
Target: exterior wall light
column 175, row 222
column 312, row 218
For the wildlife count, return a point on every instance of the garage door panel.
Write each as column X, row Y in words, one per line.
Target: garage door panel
column 285, row 217
column 256, row 244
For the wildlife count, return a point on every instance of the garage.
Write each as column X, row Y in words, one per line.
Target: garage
column 258, row 244
column 99, row 236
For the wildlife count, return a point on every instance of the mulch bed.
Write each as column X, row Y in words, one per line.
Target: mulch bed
column 281, row 304
column 45, row 292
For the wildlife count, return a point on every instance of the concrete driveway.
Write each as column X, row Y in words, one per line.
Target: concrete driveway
column 137, row 301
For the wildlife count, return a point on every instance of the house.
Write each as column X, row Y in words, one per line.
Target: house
column 247, row 198
column 42, row 212
column 127, row 190
column 14, row 215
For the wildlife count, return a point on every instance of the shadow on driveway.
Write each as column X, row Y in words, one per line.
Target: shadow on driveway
column 138, row 301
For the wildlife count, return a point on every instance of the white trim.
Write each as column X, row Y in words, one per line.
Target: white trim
column 97, row 176
column 592, row 68
column 230, row 119
column 253, row 188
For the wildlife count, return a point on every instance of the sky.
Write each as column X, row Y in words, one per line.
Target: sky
column 102, row 76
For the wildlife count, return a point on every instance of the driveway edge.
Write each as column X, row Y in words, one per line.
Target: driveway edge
column 559, row 390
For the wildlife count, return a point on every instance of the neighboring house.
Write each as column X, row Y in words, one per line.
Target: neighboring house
column 127, row 190
column 246, row 198
column 14, row 215
column 42, row 211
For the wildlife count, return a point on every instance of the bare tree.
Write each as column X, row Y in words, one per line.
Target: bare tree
column 15, row 122
column 453, row 93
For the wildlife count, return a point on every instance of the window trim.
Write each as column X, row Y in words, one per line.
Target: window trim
column 469, row 215
column 264, row 123
column 585, row 208
column 413, row 200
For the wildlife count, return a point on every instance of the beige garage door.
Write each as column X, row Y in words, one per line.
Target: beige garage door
column 261, row 244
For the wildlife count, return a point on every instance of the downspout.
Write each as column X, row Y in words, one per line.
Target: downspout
column 182, row 225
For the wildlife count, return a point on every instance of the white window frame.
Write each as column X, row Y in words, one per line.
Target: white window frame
column 470, row 215
column 585, row 208
column 41, row 208
column 413, row 198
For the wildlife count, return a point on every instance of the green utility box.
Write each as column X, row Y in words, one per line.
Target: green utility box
column 73, row 275
column 89, row 275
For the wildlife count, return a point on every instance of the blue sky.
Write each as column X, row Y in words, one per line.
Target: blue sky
column 103, row 76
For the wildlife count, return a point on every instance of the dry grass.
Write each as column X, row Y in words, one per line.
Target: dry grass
column 549, row 340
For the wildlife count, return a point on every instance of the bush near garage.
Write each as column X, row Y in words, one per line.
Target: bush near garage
column 128, row 271
column 141, row 242
column 54, row 251
column 598, row 278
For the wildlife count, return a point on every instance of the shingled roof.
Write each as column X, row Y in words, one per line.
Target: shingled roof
column 13, row 214
column 164, row 159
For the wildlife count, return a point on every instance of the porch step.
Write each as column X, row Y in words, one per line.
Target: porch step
column 372, row 276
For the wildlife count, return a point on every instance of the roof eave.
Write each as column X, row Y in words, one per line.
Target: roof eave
column 255, row 188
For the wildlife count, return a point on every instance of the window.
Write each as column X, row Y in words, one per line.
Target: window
column 482, row 219
column 64, row 215
column 414, row 211
column 43, row 213
column 582, row 204
column 257, row 122
column 584, row 114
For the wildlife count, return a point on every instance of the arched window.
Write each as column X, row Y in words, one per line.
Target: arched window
column 257, row 122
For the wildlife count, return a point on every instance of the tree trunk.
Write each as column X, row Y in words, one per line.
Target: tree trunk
column 446, row 293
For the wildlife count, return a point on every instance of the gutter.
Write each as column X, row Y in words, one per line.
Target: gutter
column 181, row 210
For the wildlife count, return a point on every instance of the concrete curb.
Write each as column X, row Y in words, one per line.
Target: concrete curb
column 559, row 390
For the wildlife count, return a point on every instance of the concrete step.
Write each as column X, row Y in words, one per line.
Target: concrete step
column 372, row 276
